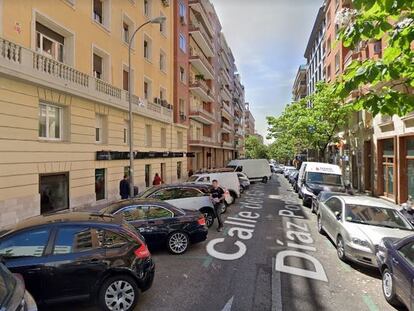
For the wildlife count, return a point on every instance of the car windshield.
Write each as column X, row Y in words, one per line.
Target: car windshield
column 376, row 216
column 324, row 179
column 7, row 284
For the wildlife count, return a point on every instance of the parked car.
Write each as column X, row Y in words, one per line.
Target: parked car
column 395, row 259
column 287, row 170
column 315, row 177
column 227, row 180
column 244, row 181
column 278, row 169
column 357, row 224
column 272, row 167
column 292, row 175
column 322, row 197
column 13, row 295
column 187, row 196
column 162, row 224
column 255, row 169
column 68, row 256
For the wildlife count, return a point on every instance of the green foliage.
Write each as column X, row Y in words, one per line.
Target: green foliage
column 387, row 83
column 300, row 127
column 255, row 149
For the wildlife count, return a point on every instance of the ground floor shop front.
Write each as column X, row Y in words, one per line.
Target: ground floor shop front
column 209, row 157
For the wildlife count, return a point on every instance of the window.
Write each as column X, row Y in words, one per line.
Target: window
column 97, row 11
column 182, row 11
column 135, row 212
column 54, row 192
column 125, row 79
column 377, row 47
column 50, row 122
column 113, row 240
column 147, row 48
column 100, row 184
column 163, row 93
column 159, row 212
column 147, row 175
column 125, row 32
column 27, row 243
column 163, row 25
column 163, row 63
column 179, row 169
column 125, row 132
column 148, row 135
column 388, row 166
column 190, row 193
column 77, row 239
column 334, row 205
column 182, row 75
column 49, row 42
column 328, row 45
column 163, row 138
column 407, row 251
column 147, row 89
column 181, row 107
column 336, row 31
column 328, row 73
column 166, row 194
column 99, row 128
column 179, row 140
column 147, row 8
column 97, row 66
column 183, row 43
column 337, row 63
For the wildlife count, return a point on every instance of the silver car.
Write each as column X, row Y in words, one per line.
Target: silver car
column 357, row 224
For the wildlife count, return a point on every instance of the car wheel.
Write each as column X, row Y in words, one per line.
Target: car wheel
column 264, row 180
column 319, row 223
column 209, row 217
column 118, row 293
column 178, row 242
column 388, row 288
column 340, row 248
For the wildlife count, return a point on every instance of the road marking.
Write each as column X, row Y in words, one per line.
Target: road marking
column 370, row 303
column 276, row 289
column 228, row 305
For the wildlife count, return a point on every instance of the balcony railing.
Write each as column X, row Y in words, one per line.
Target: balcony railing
column 197, row 26
column 26, row 64
column 194, row 53
column 201, row 84
column 203, row 13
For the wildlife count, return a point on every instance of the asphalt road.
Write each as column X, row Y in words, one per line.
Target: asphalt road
column 245, row 269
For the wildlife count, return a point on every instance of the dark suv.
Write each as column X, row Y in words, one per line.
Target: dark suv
column 77, row 256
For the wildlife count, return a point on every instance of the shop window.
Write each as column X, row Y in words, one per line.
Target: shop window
column 388, row 167
column 54, row 192
column 100, row 184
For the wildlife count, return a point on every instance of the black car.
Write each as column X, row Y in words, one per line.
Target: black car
column 322, row 197
column 13, row 295
column 162, row 224
column 77, row 256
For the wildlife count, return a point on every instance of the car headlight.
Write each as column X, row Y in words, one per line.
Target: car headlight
column 360, row 242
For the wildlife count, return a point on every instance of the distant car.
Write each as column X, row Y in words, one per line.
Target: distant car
column 187, row 196
column 13, row 295
column 278, row 169
column 272, row 167
column 322, row 197
column 71, row 256
column 395, row 259
column 292, row 175
column 287, row 170
column 357, row 224
column 162, row 224
column 244, row 181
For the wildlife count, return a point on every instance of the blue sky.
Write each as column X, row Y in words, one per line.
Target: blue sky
column 268, row 39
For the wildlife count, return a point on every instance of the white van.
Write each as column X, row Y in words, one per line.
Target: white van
column 228, row 180
column 315, row 177
column 255, row 169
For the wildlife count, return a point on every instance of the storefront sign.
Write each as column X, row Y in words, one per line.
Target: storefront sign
column 124, row 155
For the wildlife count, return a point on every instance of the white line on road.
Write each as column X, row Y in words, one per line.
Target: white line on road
column 276, row 289
column 228, row 305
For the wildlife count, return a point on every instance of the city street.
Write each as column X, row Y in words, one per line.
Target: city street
column 198, row 281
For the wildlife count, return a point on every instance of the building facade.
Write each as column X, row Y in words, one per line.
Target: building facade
column 299, row 90
column 249, row 121
column 64, row 109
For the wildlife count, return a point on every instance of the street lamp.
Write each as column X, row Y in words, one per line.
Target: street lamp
column 156, row 20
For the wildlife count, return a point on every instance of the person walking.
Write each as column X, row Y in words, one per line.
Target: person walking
column 124, row 188
column 157, row 180
column 407, row 211
column 217, row 196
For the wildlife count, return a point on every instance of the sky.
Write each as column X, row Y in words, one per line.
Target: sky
column 268, row 39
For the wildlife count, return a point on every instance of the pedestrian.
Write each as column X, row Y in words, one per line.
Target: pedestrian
column 217, row 196
column 157, row 180
column 124, row 188
column 190, row 173
column 408, row 211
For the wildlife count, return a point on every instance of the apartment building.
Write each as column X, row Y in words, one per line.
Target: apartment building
column 249, row 121
column 239, row 110
column 299, row 90
column 315, row 52
column 64, row 110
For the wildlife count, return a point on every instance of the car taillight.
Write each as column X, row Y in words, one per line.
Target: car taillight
column 142, row 252
column 202, row 221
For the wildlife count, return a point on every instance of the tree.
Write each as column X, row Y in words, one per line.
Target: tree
column 387, row 83
column 255, row 149
column 282, row 149
column 313, row 126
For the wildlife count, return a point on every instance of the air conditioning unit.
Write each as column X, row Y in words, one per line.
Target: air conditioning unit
column 165, row 3
column 182, row 20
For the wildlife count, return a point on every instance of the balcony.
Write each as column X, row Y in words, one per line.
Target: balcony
column 202, row 141
column 227, row 144
column 225, row 94
column 226, row 128
column 197, row 6
column 200, row 88
column 22, row 63
column 201, row 38
column 227, row 111
column 201, row 115
column 200, row 62
column 225, row 58
column 226, row 76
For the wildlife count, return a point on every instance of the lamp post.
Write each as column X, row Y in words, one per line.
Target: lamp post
column 156, row 20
